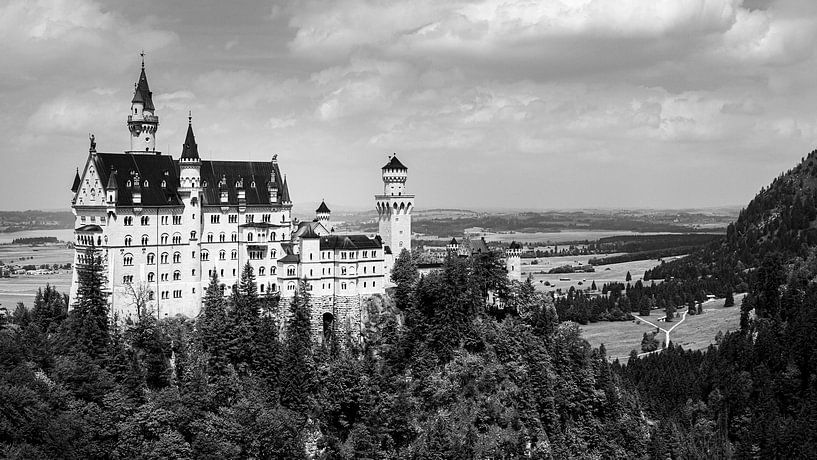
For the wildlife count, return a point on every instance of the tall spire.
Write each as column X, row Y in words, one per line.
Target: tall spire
column 190, row 150
column 142, row 93
column 77, row 181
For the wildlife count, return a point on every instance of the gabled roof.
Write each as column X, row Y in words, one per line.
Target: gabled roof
column 290, row 258
column 453, row 241
column 151, row 169
column 77, row 181
column 323, row 208
column 190, row 150
column 394, row 163
column 142, row 93
column 216, row 175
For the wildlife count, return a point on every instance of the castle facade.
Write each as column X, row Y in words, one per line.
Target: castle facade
column 164, row 225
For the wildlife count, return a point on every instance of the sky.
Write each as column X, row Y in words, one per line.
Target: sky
column 547, row 104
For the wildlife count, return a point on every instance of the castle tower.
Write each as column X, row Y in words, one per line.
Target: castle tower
column 394, row 207
column 190, row 162
column 513, row 261
column 142, row 121
column 453, row 246
column 322, row 215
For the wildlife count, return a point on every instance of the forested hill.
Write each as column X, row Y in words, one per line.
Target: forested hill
column 782, row 218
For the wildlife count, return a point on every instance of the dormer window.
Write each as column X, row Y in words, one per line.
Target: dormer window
column 164, row 183
column 252, row 184
column 146, row 183
column 128, row 183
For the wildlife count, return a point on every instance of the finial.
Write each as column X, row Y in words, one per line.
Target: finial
column 93, row 143
column 143, row 58
column 190, row 117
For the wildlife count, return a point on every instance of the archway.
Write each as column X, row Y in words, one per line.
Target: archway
column 328, row 328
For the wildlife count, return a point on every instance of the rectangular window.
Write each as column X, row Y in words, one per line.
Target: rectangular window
column 177, row 220
column 232, row 218
column 215, row 219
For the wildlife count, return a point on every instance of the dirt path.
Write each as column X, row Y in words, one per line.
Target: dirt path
column 666, row 334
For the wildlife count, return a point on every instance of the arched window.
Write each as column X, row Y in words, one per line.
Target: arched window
column 272, row 236
column 221, row 237
column 262, row 288
column 177, row 275
column 291, row 271
column 291, row 287
column 272, row 270
column 272, row 253
column 234, row 254
column 177, row 257
column 128, row 221
column 151, row 258
column 222, row 254
column 127, row 260
column 163, row 258
column 145, row 220
column 127, row 240
column 261, row 271
column 144, row 240
column 209, row 237
column 205, row 255
column 193, row 235
column 177, row 238
column 164, row 238
column 273, row 287
column 234, row 237
column 151, row 277
column 249, row 236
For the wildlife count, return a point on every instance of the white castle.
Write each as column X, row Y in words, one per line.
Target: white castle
column 164, row 225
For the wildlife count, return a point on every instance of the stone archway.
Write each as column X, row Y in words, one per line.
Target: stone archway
column 328, row 328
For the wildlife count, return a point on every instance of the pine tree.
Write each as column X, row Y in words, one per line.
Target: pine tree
column 628, row 278
column 730, row 299
column 670, row 311
column 297, row 375
column 404, row 274
column 89, row 317
column 211, row 327
column 243, row 321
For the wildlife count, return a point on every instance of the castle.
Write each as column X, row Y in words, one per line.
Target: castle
column 163, row 226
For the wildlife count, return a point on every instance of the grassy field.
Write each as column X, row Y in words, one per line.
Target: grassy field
column 21, row 288
column 603, row 274
column 696, row 332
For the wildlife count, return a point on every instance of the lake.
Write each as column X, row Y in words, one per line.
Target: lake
column 62, row 234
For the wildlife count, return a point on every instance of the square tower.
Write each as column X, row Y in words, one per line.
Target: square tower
column 394, row 207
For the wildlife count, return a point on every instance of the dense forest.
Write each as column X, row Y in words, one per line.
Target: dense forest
column 457, row 364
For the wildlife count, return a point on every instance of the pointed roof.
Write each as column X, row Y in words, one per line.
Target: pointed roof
column 323, row 208
column 453, row 241
column 77, row 181
column 310, row 233
column 113, row 184
column 285, row 192
column 515, row 245
column 190, row 150
column 142, row 93
column 394, row 163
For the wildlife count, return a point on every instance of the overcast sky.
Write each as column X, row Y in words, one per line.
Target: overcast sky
column 528, row 104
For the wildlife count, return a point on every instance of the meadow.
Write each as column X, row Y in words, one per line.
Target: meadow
column 21, row 288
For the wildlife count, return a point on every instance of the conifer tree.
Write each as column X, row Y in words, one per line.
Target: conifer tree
column 298, row 374
column 243, row 321
column 670, row 311
column 211, row 326
column 89, row 317
column 404, row 274
column 730, row 299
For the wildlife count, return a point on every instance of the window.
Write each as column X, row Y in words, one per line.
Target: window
column 221, row 237
column 209, row 237
column 234, row 254
column 214, row 219
column 151, row 277
column 193, row 235
column 256, row 255
column 342, row 270
column 364, row 270
column 373, row 284
column 151, row 258
column 291, row 287
column 249, row 236
column 145, row 220
column 164, row 277
column 222, row 254
column 177, row 275
column 163, row 258
column 151, row 295
column 177, row 220
column 177, row 238
column 290, row 271
column 193, row 272
column 127, row 240
column 343, row 255
column 128, row 220
column 193, row 255
column 144, row 240
column 234, row 237
column 177, row 294
column 232, row 218
column 127, row 260
column 343, row 286
column 127, row 279
column 262, row 289
column 272, row 253
column 272, row 271
column 164, row 220
column 261, row 271
column 163, row 238
column 249, row 218
column 266, row 217
column 205, row 255
column 365, row 254
column 374, row 254
column 165, row 294
column 177, row 257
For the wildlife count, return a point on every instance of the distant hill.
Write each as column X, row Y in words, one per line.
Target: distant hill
column 782, row 219
column 17, row 221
